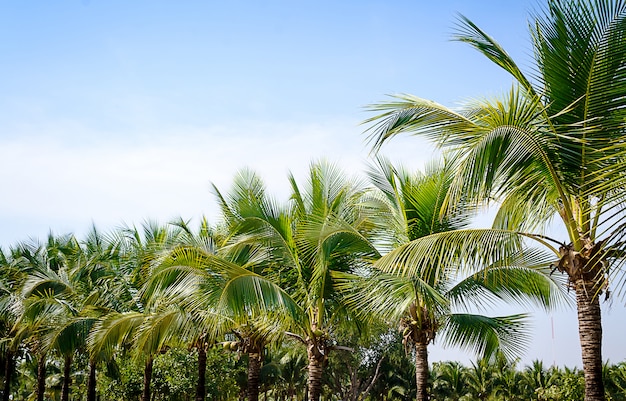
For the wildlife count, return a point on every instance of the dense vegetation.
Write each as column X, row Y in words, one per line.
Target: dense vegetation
column 269, row 302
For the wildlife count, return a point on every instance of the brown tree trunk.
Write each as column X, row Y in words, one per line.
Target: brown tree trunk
column 315, row 369
column 590, row 332
column 147, row 378
column 201, row 386
column 255, row 360
column 421, row 370
column 67, row 380
column 91, row 381
column 41, row 377
column 8, row 372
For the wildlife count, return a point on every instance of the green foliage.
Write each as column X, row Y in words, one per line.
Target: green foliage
column 175, row 376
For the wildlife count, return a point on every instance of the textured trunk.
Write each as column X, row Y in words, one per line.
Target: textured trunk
column 8, row 372
column 147, row 378
column 590, row 332
column 315, row 369
column 41, row 377
column 421, row 370
column 201, row 386
column 67, row 380
column 255, row 360
column 91, row 382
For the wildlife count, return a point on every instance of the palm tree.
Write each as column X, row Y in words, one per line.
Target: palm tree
column 481, row 379
column 448, row 380
column 220, row 293
column 74, row 297
column 51, row 301
column 536, row 378
column 552, row 147
column 434, row 300
column 305, row 246
column 11, row 278
column 63, row 302
column 138, row 321
column 38, row 316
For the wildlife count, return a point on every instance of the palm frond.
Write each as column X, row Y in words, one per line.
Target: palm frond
column 459, row 250
column 410, row 114
column 485, row 336
column 470, row 33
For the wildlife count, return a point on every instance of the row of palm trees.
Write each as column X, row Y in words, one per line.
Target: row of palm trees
column 302, row 271
column 503, row 380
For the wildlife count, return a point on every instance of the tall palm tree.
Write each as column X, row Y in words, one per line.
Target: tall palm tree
column 553, row 147
column 305, row 246
column 433, row 301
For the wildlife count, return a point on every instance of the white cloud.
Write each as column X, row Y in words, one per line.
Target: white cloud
column 73, row 174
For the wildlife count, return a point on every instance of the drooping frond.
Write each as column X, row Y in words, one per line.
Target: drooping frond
column 485, row 336
column 389, row 297
column 413, row 115
column 470, row 33
column 525, row 280
column 436, row 254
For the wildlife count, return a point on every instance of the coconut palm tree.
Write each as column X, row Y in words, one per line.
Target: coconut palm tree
column 552, row 147
column 138, row 321
column 537, row 378
column 220, row 294
column 37, row 317
column 51, row 301
column 11, row 278
column 72, row 299
column 433, row 301
column 449, row 380
column 305, row 246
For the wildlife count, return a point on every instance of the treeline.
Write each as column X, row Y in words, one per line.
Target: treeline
column 297, row 287
column 175, row 378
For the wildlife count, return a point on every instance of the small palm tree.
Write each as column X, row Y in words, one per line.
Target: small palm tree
column 552, row 147
column 481, row 379
column 449, row 380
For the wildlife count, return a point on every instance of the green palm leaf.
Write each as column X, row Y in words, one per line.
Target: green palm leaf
column 486, row 335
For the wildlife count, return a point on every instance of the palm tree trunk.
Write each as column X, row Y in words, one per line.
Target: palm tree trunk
column 41, row 377
column 91, row 381
column 201, row 386
column 67, row 381
column 421, row 370
column 255, row 360
column 147, row 378
column 8, row 372
column 315, row 369
column 590, row 332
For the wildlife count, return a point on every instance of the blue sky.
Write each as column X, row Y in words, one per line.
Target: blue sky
column 118, row 111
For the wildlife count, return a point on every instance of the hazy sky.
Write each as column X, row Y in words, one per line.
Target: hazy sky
column 119, row 111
